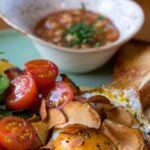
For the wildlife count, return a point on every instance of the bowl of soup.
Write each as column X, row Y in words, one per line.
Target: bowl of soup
column 78, row 35
column 77, row 29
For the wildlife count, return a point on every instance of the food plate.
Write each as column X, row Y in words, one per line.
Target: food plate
column 39, row 112
column 103, row 117
column 19, row 49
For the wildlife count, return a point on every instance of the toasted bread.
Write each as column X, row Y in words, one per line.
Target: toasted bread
column 133, row 65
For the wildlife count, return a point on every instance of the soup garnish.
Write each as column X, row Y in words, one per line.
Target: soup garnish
column 77, row 28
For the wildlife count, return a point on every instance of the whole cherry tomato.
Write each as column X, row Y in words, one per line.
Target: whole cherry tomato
column 60, row 95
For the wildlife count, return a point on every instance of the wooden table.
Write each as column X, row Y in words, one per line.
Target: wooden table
column 3, row 25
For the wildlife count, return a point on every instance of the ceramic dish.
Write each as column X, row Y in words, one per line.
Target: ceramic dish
column 23, row 15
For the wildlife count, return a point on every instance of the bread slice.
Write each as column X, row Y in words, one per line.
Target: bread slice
column 133, row 65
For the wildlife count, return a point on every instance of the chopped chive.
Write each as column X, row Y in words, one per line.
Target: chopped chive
column 107, row 142
column 88, row 135
column 83, row 6
column 82, row 31
column 97, row 45
column 101, row 18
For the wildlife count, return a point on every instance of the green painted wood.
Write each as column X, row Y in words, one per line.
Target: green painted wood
column 19, row 49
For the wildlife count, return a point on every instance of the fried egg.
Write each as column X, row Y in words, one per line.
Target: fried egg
column 76, row 138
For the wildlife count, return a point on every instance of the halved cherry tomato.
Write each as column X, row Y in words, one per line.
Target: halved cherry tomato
column 16, row 133
column 59, row 95
column 2, row 148
column 44, row 72
column 22, row 93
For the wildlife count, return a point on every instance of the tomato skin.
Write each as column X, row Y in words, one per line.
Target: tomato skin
column 2, row 148
column 44, row 72
column 13, row 73
column 16, row 133
column 22, row 93
column 60, row 95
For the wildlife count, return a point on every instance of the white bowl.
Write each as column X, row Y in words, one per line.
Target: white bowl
column 23, row 15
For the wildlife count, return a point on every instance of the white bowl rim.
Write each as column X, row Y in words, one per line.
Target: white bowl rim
column 103, row 48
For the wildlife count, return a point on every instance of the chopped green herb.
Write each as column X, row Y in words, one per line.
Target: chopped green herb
column 100, row 31
column 97, row 45
column 82, row 33
column 107, row 142
column 83, row 6
column 101, row 18
column 88, row 135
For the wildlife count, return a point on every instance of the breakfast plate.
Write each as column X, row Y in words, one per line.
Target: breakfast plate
column 87, row 118
column 39, row 112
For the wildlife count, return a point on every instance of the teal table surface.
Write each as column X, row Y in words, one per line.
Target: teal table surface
column 19, row 49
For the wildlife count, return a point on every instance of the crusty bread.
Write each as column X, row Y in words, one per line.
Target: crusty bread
column 133, row 65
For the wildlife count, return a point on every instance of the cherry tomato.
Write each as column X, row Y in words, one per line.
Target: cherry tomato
column 22, row 93
column 59, row 95
column 16, row 133
column 44, row 72
column 2, row 148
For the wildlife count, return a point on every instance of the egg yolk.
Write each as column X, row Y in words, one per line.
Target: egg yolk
column 82, row 139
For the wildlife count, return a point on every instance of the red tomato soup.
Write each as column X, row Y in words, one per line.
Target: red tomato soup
column 77, row 28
